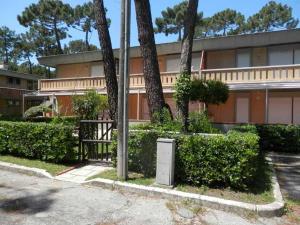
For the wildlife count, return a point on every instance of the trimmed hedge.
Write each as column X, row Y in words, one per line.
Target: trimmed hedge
column 43, row 141
column 219, row 160
column 277, row 138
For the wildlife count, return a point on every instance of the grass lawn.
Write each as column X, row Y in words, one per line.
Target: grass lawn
column 51, row 168
column 292, row 211
column 134, row 178
column 260, row 192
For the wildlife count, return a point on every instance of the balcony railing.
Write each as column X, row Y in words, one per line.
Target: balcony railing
column 254, row 74
column 230, row 76
column 82, row 83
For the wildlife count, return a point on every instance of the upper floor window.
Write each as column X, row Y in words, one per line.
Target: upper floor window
column 243, row 58
column 97, row 70
column 14, row 81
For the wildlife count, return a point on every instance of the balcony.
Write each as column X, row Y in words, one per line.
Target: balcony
column 246, row 75
column 254, row 74
column 75, row 84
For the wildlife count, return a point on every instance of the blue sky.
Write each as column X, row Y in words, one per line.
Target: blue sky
column 10, row 10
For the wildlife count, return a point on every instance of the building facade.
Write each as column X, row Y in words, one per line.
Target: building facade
column 262, row 71
column 13, row 86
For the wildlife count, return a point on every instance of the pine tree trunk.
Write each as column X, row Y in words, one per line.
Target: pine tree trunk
column 87, row 45
column 186, row 53
column 30, row 64
column 59, row 48
column 108, row 59
column 151, row 71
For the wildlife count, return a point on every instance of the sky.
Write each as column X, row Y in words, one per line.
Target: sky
column 10, row 10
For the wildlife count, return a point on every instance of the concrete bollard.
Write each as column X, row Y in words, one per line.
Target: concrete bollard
column 165, row 162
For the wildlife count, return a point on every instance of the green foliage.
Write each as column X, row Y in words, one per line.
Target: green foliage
column 277, row 138
column 50, row 18
column 209, row 91
column 216, row 160
column 182, row 89
column 77, row 46
column 65, row 120
column 172, row 20
column 227, row 22
column 223, row 160
column 85, row 21
column 200, row 123
column 43, row 141
column 282, row 138
column 246, row 129
column 7, row 43
column 89, row 105
column 36, row 111
column 272, row 16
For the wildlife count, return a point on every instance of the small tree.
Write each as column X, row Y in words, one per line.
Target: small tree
column 209, row 92
column 89, row 106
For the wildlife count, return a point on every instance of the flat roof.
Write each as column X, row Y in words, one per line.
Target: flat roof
column 211, row 43
column 27, row 76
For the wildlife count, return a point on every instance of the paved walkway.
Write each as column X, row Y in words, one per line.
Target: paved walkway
column 29, row 200
column 288, row 171
column 80, row 174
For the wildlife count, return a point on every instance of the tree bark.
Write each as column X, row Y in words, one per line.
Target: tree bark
column 154, row 91
column 87, row 44
column 186, row 52
column 59, row 48
column 30, row 64
column 108, row 59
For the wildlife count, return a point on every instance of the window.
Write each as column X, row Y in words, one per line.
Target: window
column 30, row 85
column 173, row 63
column 280, row 110
column 10, row 80
column 18, row 81
column 14, row 81
column 97, row 70
column 243, row 58
column 13, row 103
column 297, row 56
column 242, row 110
column 280, row 55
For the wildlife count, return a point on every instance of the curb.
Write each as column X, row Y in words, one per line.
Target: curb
column 268, row 210
column 25, row 170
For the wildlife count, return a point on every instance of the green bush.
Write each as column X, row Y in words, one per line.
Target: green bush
column 43, row 141
column 66, row 120
column 277, row 138
column 36, row 111
column 200, row 123
column 280, row 138
column 222, row 160
column 216, row 160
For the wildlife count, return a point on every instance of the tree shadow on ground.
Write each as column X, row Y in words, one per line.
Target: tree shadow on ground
column 30, row 204
column 263, row 177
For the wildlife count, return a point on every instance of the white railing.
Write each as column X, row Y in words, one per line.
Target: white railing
column 168, row 79
column 254, row 74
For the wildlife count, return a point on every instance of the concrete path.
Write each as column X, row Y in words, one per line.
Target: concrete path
column 80, row 174
column 288, row 171
column 29, row 200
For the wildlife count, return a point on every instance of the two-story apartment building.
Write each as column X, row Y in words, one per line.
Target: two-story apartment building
column 262, row 71
column 13, row 86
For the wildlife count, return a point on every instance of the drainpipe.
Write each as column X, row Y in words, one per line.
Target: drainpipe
column 138, row 105
column 267, row 106
column 23, row 105
column 201, row 64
